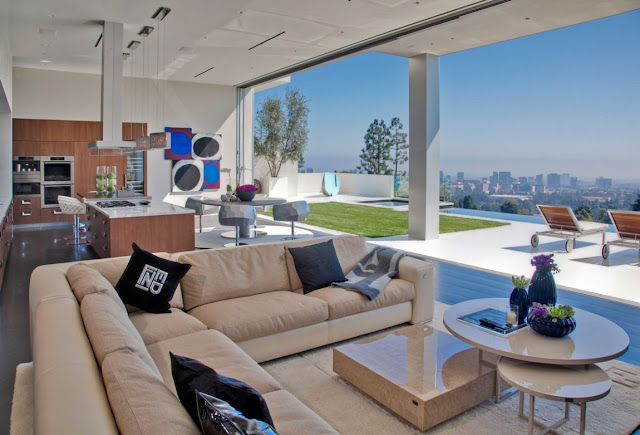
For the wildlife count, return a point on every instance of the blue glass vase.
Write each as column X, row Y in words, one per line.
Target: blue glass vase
column 520, row 298
column 542, row 288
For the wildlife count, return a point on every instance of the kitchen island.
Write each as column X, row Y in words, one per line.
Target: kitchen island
column 155, row 227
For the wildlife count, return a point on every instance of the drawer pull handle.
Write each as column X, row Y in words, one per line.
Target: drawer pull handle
column 104, row 234
column 26, row 202
column 104, row 247
column 26, row 213
column 57, row 211
column 104, row 221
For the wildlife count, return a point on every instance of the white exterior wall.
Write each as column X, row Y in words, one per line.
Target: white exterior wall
column 45, row 94
column 350, row 184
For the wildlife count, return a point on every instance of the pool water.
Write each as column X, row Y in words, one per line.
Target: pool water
column 387, row 203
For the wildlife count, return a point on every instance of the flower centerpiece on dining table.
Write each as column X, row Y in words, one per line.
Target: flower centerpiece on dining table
column 543, row 287
column 246, row 192
column 552, row 321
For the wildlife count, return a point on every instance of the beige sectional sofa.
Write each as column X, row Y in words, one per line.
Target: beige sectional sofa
column 101, row 367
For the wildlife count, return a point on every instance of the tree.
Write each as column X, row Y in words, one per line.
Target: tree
column 583, row 213
column 467, row 202
column 282, row 131
column 375, row 154
column 636, row 205
column 301, row 164
column 399, row 145
column 509, row 207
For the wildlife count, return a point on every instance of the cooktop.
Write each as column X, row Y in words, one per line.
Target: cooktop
column 114, row 204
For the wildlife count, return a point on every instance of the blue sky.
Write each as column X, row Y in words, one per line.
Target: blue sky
column 561, row 101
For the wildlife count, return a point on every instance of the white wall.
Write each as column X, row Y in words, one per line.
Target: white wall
column 350, row 184
column 289, row 170
column 6, row 90
column 46, row 94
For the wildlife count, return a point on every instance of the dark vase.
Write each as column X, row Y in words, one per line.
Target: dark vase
column 546, row 326
column 246, row 196
column 520, row 298
column 542, row 288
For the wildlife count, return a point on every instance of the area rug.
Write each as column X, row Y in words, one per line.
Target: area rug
column 309, row 377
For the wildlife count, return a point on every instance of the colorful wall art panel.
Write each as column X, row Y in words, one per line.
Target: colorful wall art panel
column 180, row 144
column 196, row 160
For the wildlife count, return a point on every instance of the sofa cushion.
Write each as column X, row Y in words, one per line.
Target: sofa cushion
column 149, row 282
column 113, row 268
column 140, row 401
column 85, row 280
column 317, row 265
column 343, row 302
column 221, row 274
column 349, row 249
column 291, row 416
column 255, row 316
column 215, row 350
column 158, row 327
column 109, row 329
column 190, row 376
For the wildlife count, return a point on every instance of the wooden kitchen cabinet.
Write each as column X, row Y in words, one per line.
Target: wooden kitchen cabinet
column 26, row 210
column 98, row 232
column 6, row 237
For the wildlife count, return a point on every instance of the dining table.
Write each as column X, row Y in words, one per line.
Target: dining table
column 245, row 230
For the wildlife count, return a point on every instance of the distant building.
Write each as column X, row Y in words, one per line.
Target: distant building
column 504, row 178
column 573, row 183
column 441, row 177
column 565, row 179
column 460, row 176
column 523, row 181
column 494, row 179
column 308, row 170
column 604, row 183
column 553, row 180
column 540, row 179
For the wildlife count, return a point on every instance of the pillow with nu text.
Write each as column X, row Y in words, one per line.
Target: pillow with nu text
column 149, row 282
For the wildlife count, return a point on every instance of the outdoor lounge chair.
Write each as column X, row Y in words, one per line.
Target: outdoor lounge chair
column 564, row 225
column 627, row 224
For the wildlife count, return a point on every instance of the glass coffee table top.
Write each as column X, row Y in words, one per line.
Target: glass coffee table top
column 595, row 338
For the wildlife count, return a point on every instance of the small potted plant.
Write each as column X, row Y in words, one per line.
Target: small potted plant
column 519, row 297
column 246, row 192
column 543, row 286
column 552, row 321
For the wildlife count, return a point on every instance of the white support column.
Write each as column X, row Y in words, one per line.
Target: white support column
column 244, row 135
column 424, row 148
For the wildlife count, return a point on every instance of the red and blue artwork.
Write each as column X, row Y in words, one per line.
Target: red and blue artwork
column 196, row 160
column 211, row 174
column 180, row 144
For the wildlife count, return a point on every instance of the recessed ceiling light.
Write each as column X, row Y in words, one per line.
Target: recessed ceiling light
column 46, row 61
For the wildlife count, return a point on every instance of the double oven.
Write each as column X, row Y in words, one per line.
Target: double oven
column 44, row 176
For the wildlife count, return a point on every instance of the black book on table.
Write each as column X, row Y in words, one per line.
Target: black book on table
column 492, row 320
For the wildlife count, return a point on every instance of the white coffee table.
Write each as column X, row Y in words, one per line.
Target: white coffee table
column 595, row 339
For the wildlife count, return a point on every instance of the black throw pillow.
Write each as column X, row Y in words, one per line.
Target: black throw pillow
column 217, row 417
column 149, row 282
column 317, row 265
column 191, row 376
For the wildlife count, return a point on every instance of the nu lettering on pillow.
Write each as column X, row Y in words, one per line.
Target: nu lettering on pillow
column 151, row 279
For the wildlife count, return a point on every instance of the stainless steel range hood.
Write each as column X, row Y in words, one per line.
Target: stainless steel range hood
column 111, row 114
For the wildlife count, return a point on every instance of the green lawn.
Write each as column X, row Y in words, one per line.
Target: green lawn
column 369, row 221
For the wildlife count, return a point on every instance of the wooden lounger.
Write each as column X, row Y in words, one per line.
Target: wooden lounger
column 563, row 224
column 627, row 224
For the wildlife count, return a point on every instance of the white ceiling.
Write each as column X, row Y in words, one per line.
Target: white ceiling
column 201, row 34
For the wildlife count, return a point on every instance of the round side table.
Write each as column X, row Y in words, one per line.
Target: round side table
column 580, row 384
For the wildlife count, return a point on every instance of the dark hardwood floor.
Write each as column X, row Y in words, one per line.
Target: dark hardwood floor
column 34, row 247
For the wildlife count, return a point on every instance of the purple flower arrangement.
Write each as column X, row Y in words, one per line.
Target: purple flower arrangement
column 537, row 310
column 246, row 188
column 545, row 262
column 560, row 312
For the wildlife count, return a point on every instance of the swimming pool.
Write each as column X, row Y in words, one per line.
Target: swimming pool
column 387, row 203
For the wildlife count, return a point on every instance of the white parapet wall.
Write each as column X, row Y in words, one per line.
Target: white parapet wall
column 350, row 184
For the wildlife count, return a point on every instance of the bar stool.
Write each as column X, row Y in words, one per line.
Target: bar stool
column 237, row 215
column 69, row 205
column 291, row 212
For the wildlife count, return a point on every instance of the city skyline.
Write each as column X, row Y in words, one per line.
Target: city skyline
column 561, row 101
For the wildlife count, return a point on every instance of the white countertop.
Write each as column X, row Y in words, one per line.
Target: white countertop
column 5, row 201
column 155, row 208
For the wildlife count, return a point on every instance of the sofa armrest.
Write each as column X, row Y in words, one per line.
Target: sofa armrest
column 422, row 275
